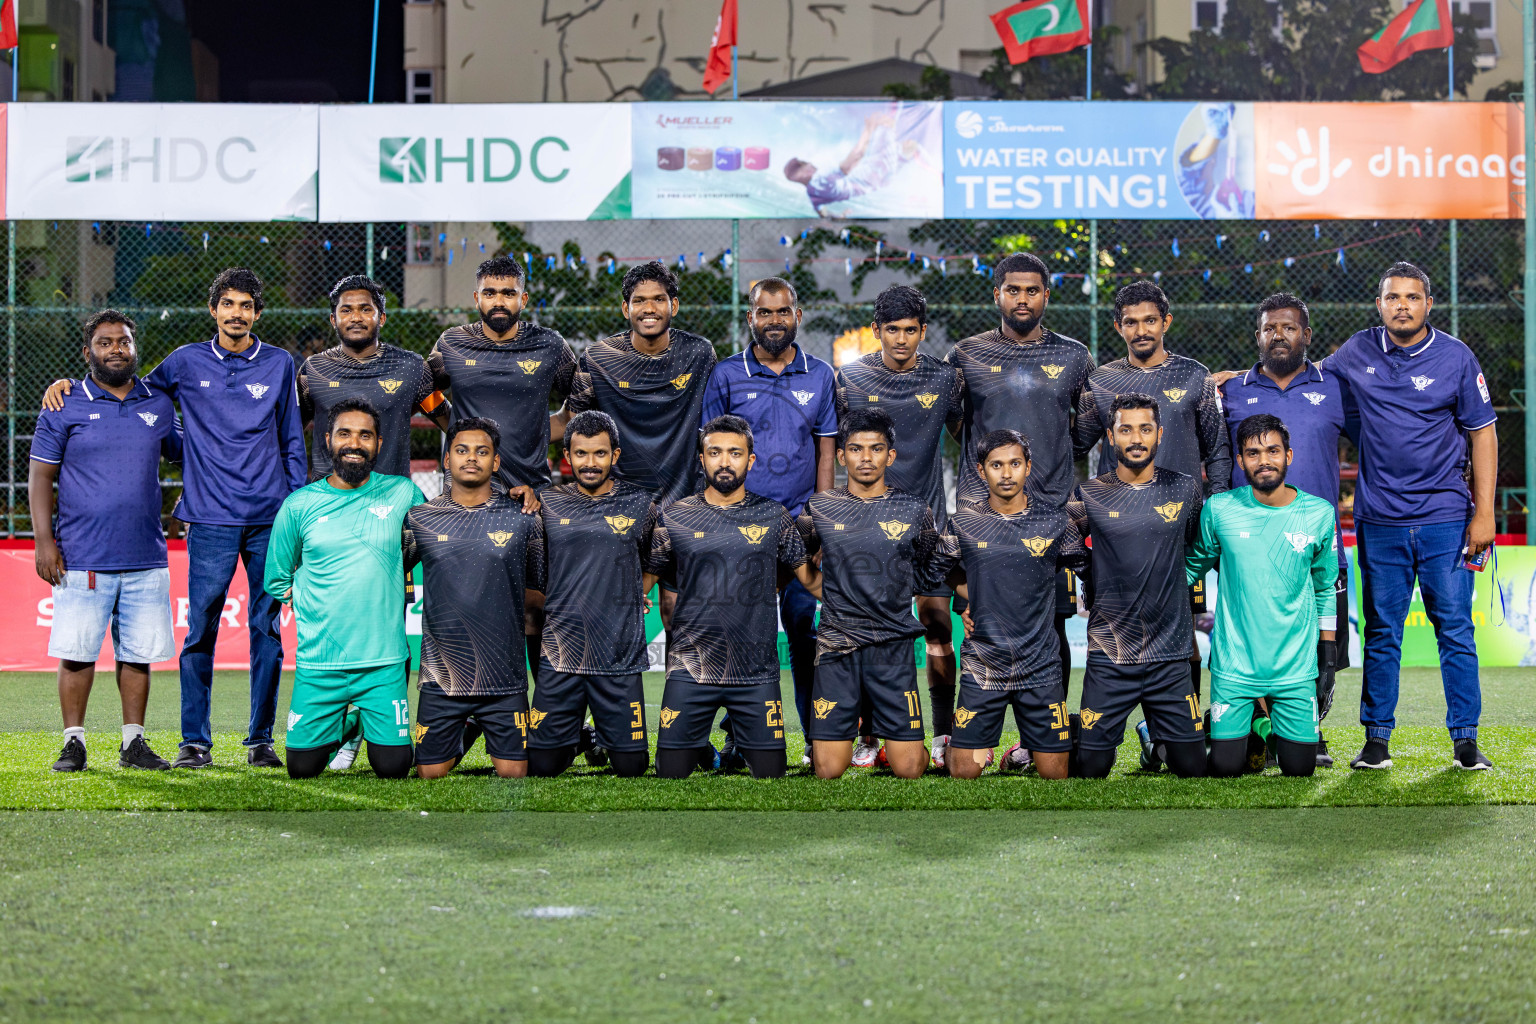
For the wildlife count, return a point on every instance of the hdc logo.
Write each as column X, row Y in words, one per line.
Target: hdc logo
column 181, row 158
column 404, row 159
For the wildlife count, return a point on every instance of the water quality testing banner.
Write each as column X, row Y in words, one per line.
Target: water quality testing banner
column 475, row 161
column 832, row 160
column 154, row 161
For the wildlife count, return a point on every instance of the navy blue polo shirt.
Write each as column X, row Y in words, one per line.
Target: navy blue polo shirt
column 1414, row 405
column 1314, row 408
column 244, row 443
column 787, row 411
column 108, row 452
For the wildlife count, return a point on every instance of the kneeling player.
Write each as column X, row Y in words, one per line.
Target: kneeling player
column 1003, row 556
column 724, row 549
column 1272, row 547
column 1139, row 520
column 877, row 542
column 477, row 559
column 336, row 555
column 595, row 532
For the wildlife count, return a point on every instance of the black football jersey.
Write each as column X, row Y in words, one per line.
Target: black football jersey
column 395, row 380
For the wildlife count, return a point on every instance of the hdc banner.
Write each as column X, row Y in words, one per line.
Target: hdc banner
column 151, row 161
column 475, row 161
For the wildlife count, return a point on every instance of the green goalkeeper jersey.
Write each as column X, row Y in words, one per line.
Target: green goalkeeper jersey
column 340, row 553
column 1276, row 572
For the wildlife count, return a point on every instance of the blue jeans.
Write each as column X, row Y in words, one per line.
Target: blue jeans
column 1390, row 558
column 797, row 610
column 212, row 552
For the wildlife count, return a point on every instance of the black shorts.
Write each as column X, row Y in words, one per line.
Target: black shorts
column 688, row 710
column 1040, row 712
column 440, row 722
column 561, row 700
column 1066, row 592
column 1164, row 690
column 1341, row 608
column 942, row 590
column 1197, row 598
column 882, row 677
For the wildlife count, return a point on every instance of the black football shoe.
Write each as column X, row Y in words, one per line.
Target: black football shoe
column 71, row 758
column 138, row 755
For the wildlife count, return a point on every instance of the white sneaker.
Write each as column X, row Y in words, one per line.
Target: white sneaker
column 864, row 753
column 940, row 748
column 351, row 740
column 1015, row 759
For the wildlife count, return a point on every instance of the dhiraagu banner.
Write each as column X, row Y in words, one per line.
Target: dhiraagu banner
column 475, row 162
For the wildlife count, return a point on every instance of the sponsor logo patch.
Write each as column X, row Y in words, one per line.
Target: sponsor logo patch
column 1482, row 388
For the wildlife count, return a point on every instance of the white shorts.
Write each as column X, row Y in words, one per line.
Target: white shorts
column 137, row 605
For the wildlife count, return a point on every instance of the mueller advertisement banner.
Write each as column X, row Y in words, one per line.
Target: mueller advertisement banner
column 832, row 160
column 475, row 162
column 153, row 161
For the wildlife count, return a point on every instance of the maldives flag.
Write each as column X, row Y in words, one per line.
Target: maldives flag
column 8, row 37
column 1423, row 25
column 1037, row 28
column 718, row 71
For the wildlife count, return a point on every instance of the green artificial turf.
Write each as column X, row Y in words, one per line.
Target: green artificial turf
column 1308, row 915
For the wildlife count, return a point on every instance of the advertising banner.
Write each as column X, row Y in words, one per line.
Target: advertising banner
column 475, row 161
column 832, row 160
column 1401, row 160
column 1124, row 160
column 161, row 161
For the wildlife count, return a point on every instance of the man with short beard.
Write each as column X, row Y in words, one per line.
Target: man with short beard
column 1317, row 407
column 394, row 379
column 336, row 556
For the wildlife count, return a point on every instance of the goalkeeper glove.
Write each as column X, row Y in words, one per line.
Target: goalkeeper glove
column 1327, row 663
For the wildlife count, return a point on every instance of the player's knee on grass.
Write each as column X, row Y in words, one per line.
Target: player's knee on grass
column 767, row 764
column 907, row 759
column 831, row 757
column 1093, row 764
column 439, row 770
column 547, row 762
column 510, row 768
column 627, row 764
column 1228, row 758
column 677, row 763
column 1051, row 764
column 1186, row 760
column 1297, row 759
column 391, row 761
column 965, row 763
column 308, row 762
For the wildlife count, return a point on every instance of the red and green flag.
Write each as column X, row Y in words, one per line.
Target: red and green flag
column 8, row 36
column 1423, row 25
column 1037, row 28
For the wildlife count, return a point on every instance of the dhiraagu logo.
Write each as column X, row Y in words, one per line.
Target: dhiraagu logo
column 415, row 159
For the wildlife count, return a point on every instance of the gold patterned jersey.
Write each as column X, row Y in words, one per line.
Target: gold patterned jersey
column 725, row 562
column 592, row 552
column 395, row 380
column 1138, row 601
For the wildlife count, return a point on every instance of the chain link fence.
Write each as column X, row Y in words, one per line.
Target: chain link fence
column 57, row 272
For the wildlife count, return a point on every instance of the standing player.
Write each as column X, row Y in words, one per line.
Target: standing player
column 396, row 381
column 877, row 544
column 1139, row 520
column 1273, row 548
column 923, row 397
column 1024, row 377
column 108, row 565
column 336, row 557
column 596, row 535
column 1317, row 407
column 724, row 550
column 477, row 554
column 1002, row 556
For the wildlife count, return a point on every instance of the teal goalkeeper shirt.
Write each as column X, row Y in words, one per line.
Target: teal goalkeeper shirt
column 340, row 551
column 1276, row 571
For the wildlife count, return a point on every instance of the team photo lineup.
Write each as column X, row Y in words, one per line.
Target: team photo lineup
column 709, row 485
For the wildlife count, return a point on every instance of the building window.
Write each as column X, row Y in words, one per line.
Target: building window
column 418, row 250
column 1208, row 14
column 420, row 85
column 99, row 21
column 1484, row 17
column 67, row 85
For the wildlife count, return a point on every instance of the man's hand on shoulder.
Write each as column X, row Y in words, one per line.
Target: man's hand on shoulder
column 529, row 496
column 53, row 398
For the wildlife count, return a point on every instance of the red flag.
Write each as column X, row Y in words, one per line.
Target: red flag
column 8, row 36
column 718, row 71
column 1038, row 28
column 1423, row 25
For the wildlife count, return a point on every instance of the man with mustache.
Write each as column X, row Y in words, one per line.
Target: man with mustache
column 244, row 453
column 107, row 564
column 788, row 396
column 1273, row 547
column 336, row 556
column 394, row 379
column 1139, row 519
column 1317, row 407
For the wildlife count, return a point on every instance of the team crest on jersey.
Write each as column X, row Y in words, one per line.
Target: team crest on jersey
column 1300, row 541
column 681, row 380
column 381, row 510
column 1315, row 397
column 500, row 538
column 927, row 399
column 1037, row 545
column 803, row 397
column 895, row 530
column 257, row 390
column 1420, row 383
column 1170, row 511
column 823, row 706
column 529, row 365
column 1089, row 717
column 419, row 731
column 620, row 523
column 149, row 418
column 535, row 716
column 1176, row 394
column 963, row 717
column 753, row 533
column 1052, row 370
column 390, row 386
column 668, row 716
